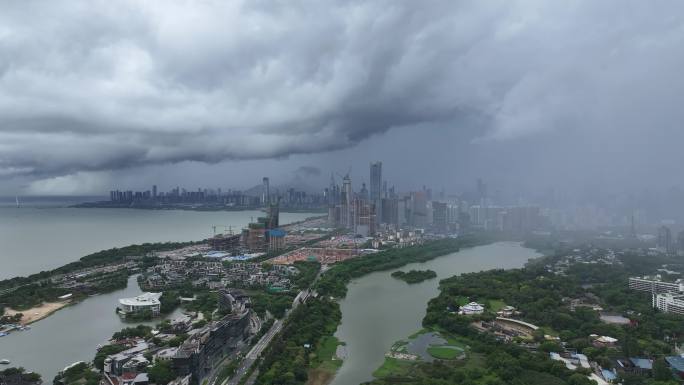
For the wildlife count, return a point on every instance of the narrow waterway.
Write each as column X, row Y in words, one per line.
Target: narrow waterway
column 380, row 310
column 69, row 335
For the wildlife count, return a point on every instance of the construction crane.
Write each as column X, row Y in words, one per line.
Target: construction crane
column 229, row 231
column 348, row 175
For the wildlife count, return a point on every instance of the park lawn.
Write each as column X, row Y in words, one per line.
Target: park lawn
column 496, row 304
column 459, row 342
column 444, row 352
column 325, row 364
column 330, row 366
column 327, row 348
column 393, row 367
column 325, row 352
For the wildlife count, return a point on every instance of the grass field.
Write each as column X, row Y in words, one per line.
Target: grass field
column 459, row 341
column 445, row 352
column 455, row 347
column 393, row 367
column 326, row 350
column 496, row 304
column 325, row 363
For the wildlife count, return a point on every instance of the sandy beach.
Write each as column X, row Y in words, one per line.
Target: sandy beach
column 37, row 313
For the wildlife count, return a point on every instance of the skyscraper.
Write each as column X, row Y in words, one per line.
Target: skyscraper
column 439, row 216
column 376, row 193
column 680, row 244
column 363, row 194
column 664, row 240
column 347, row 202
column 375, row 181
column 481, row 192
column 266, row 193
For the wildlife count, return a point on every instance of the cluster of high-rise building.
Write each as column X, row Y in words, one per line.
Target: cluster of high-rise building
column 181, row 195
column 366, row 211
column 357, row 211
column 253, row 198
column 665, row 243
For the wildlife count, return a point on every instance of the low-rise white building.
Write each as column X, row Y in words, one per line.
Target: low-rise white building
column 471, row 308
column 669, row 303
column 655, row 285
column 142, row 303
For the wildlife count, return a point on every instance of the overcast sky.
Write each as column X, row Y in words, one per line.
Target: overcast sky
column 528, row 95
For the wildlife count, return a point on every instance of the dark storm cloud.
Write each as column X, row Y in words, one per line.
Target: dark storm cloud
column 307, row 171
column 89, row 86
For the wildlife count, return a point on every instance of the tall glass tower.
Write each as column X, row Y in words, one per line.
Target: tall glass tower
column 375, row 181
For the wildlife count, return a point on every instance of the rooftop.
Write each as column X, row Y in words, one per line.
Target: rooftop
column 145, row 299
column 676, row 362
column 642, row 363
column 523, row 323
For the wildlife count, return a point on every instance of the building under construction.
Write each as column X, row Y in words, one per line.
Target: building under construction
column 225, row 242
column 264, row 234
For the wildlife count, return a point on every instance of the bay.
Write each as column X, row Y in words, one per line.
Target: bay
column 45, row 234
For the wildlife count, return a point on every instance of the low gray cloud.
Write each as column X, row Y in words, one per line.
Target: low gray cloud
column 307, row 171
column 87, row 87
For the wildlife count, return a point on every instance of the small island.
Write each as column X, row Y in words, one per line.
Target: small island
column 414, row 276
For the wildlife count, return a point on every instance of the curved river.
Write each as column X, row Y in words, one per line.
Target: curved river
column 380, row 310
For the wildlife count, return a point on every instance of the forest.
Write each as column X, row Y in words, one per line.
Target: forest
column 543, row 298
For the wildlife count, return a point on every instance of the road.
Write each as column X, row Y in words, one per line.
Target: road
column 263, row 343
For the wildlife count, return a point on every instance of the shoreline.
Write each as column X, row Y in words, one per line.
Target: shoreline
column 37, row 313
column 97, row 205
column 46, row 309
